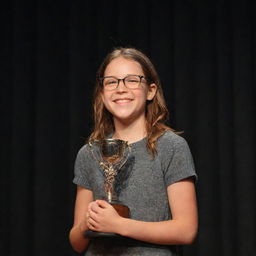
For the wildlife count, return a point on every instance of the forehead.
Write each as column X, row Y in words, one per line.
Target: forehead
column 121, row 66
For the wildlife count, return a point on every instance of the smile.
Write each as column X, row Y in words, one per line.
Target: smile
column 121, row 101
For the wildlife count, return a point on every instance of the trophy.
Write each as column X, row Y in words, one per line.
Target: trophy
column 111, row 155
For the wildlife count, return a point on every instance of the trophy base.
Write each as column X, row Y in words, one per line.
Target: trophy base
column 121, row 209
column 93, row 234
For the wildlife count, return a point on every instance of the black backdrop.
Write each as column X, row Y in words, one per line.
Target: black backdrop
column 204, row 52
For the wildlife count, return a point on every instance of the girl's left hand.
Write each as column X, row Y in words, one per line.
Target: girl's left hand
column 102, row 217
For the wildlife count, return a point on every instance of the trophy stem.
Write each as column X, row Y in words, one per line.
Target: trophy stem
column 109, row 196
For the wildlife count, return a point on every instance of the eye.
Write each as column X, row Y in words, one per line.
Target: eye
column 110, row 81
column 132, row 79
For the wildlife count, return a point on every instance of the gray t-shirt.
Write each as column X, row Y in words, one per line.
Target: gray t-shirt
column 143, row 189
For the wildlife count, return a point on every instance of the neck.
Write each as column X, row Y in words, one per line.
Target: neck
column 130, row 131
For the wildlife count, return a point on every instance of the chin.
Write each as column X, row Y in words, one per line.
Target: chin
column 124, row 118
column 123, row 115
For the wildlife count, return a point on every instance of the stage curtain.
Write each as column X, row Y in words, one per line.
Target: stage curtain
column 204, row 52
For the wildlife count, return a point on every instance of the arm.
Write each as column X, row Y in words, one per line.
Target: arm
column 77, row 240
column 181, row 229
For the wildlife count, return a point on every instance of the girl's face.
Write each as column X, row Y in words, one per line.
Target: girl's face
column 123, row 103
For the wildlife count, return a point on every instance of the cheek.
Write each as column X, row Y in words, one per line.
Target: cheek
column 143, row 95
column 106, row 101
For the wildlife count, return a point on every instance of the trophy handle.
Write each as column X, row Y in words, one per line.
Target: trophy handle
column 127, row 152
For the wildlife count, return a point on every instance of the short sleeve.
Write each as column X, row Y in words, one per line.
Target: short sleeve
column 82, row 163
column 179, row 161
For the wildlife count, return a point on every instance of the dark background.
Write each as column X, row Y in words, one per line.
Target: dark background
column 205, row 54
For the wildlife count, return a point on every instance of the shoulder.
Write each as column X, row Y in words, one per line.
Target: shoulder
column 176, row 157
column 84, row 149
column 171, row 145
column 170, row 140
column 83, row 153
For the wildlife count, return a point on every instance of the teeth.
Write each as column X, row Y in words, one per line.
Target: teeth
column 122, row 100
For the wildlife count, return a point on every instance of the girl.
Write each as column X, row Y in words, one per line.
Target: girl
column 159, row 190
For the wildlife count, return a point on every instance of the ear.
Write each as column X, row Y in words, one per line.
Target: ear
column 152, row 88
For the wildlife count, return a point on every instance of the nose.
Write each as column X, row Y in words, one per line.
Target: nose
column 121, row 86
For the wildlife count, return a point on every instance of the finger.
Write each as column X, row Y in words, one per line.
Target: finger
column 88, row 215
column 95, row 208
column 102, row 203
column 93, row 215
column 90, row 205
column 91, row 224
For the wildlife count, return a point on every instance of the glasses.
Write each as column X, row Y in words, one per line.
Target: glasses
column 131, row 82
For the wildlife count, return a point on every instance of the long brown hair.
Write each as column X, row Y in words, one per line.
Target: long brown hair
column 156, row 110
